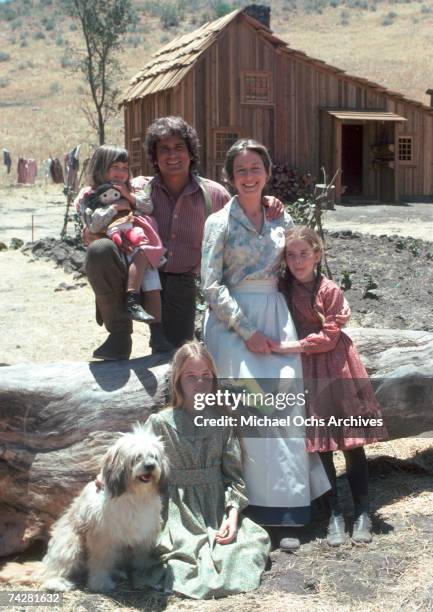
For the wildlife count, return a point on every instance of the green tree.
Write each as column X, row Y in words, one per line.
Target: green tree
column 102, row 24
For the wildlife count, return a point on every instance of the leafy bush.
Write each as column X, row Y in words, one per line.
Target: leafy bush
column 133, row 41
column 205, row 18
column 4, row 57
column 59, row 41
column 169, row 15
column 7, row 13
column 222, row 8
column 55, row 87
column 345, row 281
column 66, row 61
column 49, row 23
column 4, row 82
column 16, row 23
column 344, row 18
column 38, row 35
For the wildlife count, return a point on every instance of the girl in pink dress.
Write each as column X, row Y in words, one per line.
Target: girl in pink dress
column 341, row 406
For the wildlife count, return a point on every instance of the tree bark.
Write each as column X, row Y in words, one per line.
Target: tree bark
column 57, row 420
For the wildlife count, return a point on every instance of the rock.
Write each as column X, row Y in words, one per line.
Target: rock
column 372, row 294
column 16, row 243
column 66, row 253
column 3, row 247
column 65, row 287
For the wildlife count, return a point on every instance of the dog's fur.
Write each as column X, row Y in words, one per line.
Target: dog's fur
column 100, row 524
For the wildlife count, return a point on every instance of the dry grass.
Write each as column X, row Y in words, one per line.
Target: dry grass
column 398, row 56
column 393, row 572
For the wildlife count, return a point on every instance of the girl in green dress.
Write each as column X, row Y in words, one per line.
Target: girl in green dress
column 207, row 547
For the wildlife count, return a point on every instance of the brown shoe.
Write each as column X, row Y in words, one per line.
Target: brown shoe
column 117, row 346
column 158, row 341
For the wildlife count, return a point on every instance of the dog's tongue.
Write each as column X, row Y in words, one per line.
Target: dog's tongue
column 145, row 477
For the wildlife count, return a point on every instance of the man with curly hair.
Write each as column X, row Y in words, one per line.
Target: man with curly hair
column 181, row 201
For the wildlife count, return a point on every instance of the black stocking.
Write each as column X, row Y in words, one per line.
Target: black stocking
column 332, row 496
column 357, row 475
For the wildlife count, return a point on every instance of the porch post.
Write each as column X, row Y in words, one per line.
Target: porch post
column 337, row 159
column 396, row 165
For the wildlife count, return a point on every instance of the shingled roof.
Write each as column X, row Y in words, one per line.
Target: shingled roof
column 172, row 62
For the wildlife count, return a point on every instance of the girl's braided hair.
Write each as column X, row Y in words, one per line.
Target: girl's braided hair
column 302, row 232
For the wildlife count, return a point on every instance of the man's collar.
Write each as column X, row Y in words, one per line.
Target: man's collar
column 191, row 187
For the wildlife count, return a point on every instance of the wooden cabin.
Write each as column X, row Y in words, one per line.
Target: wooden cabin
column 233, row 78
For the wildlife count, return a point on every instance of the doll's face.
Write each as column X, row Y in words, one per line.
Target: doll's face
column 109, row 196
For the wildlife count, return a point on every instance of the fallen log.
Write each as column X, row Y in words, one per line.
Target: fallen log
column 57, row 420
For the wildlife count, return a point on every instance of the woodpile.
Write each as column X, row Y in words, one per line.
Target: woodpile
column 288, row 183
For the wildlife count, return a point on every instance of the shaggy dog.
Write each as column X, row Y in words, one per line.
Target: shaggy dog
column 102, row 524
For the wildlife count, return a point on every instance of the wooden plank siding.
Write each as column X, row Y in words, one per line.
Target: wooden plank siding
column 293, row 126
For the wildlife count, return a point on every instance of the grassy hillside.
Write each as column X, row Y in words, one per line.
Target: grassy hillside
column 40, row 99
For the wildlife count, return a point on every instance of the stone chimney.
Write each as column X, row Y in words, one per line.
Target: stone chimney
column 430, row 93
column 259, row 12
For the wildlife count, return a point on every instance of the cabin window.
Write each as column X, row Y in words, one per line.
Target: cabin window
column 256, row 88
column 223, row 142
column 405, row 149
column 135, row 151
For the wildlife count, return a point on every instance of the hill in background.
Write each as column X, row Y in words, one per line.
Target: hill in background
column 40, row 99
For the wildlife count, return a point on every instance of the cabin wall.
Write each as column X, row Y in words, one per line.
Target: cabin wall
column 291, row 122
column 308, row 134
column 139, row 115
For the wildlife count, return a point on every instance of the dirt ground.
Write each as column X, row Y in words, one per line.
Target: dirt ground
column 49, row 316
column 41, row 319
column 40, row 324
